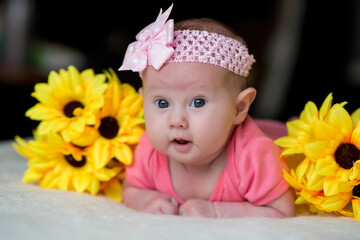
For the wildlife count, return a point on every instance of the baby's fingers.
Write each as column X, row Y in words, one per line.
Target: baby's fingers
column 197, row 208
column 162, row 205
column 170, row 207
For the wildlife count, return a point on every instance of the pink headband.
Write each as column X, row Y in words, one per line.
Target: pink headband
column 156, row 46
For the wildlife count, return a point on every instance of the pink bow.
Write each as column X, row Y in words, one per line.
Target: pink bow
column 153, row 45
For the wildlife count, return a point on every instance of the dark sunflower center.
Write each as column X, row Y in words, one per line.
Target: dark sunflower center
column 109, row 127
column 70, row 107
column 346, row 154
column 356, row 191
column 71, row 160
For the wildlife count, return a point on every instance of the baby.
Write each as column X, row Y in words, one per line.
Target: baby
column 201, row 155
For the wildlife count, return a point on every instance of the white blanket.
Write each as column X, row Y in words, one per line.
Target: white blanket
column 28, row 211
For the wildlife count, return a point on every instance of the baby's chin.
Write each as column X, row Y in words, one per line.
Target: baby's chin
column 190, row 158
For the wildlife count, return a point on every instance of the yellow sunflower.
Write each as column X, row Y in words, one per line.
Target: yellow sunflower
column 113, row 188
column 69, row 102
column 87, row 131
column 356, row 207
column 120, row 124
column 335, row 152
column 328, row 175
column 308, row 187
column 58, row 164
column 301, row 131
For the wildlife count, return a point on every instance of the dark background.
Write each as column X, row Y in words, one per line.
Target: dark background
column 95, row 34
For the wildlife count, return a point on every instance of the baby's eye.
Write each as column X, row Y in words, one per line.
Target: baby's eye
column 161, row 103
column 198, row 103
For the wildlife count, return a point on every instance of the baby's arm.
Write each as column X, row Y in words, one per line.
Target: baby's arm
column 281, row 207
column 148, row 200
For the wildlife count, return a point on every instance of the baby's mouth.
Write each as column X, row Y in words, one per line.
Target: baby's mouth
column 181, row 144
column 180, row 141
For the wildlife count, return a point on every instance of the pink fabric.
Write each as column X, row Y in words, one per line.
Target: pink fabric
column 212, row 48
column 155, row 46
column 272, row 128
column 253, row 171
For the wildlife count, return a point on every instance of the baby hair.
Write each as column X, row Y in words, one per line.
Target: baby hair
column 209, row 25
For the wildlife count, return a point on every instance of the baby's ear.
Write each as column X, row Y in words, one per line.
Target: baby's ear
column 141, row 91
column 243, row 103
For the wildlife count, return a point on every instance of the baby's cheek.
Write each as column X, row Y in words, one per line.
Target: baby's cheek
column 157, row 139
column 215, row 137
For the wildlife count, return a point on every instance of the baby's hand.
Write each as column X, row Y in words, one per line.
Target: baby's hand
column 162, row 204
column 197, row 208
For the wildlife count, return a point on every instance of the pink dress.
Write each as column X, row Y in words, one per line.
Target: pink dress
column 253, row 171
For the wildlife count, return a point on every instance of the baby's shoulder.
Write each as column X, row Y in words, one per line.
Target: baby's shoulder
column 250, row 145
column 249, row 134
column 144, row 149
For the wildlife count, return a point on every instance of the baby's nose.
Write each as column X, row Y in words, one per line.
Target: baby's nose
column 178, row 125
column 178, row 120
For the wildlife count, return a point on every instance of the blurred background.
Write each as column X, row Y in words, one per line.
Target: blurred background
column 303, row 49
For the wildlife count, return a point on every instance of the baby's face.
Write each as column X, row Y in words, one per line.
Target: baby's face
column 189, row 110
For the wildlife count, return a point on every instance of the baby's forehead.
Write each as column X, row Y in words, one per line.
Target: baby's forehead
column 186, row 76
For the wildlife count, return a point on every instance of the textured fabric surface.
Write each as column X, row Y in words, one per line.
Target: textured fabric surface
column 28, row 211
column 213, row 48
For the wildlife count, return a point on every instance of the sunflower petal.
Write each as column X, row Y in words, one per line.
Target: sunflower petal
column 324, row 131
column 300, row 200
column 326, row 166
column 287, row 142
column 302, row 169
column 355, row 137
column 49, row 126
column 127, row 89
column 39, row 164
column 296, row 126
column 132, row 103
column 100, row 153
column 325, row 107
column 105, row 174
column 341, row 120
column 31, row 175
column 291, row 151
column 78, row 125
column 94, row 187
column 89, row 136
column 41, row 112
column 81, row 182
column 44, row 93
column 112, row 97
column 345, row 213
column 113, row 190
column 315, row 182
column 313, row 197
column 355, row 171
column 337, row 202
column 331, row 186
column 123, row 153
column 87, row 74
column 49, row 180
column 55, row 81
column 309, row 113
column 22, row 147
column 315, row 150
column 356, row 208
column 347, row 186
column 64, row 181
column 292, row 181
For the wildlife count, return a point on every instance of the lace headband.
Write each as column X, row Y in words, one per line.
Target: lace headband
column 158, row 44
